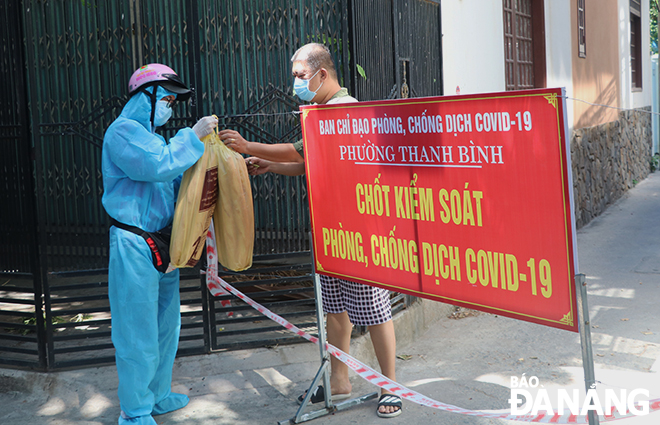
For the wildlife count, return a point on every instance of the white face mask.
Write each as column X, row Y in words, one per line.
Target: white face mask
column 162, row 114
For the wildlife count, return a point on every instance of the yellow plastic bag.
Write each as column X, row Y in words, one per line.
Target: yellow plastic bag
column 234, row 215
column 195, row 205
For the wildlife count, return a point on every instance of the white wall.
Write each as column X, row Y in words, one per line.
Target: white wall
column 473, row 46
column 558, row 50
column 630, row 99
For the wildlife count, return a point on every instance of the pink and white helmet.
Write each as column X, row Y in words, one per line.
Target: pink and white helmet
column 158, row 74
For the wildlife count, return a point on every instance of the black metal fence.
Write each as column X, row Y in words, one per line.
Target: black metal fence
column 63, row 81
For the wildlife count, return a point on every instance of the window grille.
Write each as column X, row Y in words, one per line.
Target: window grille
column 636, row 44
column 518, row 44
column 582, row 33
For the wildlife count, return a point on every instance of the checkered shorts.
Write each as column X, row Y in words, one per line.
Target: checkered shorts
column 366, row 305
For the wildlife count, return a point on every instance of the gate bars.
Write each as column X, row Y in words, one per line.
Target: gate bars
column 66, row 69
column 63, row 81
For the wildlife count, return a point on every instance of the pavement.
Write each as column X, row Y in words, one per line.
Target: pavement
column 459, row 357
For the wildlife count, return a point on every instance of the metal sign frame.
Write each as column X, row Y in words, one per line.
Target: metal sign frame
column 323, row 374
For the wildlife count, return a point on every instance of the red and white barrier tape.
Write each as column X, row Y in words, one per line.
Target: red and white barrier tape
column 212, row 267
column 218, row 287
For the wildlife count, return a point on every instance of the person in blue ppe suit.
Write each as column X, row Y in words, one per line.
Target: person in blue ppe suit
column 141, row 177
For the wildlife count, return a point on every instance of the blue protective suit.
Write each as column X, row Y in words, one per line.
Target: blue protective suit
column 141, row 175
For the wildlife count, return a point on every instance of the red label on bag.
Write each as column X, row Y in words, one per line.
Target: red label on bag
column 210, row 190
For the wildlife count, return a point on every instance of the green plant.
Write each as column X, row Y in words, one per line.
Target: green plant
column 653, row 24
column 33, row 321
column 655, row 162
column 361, row 71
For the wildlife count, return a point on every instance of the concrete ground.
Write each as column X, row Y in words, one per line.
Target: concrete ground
column 460, row 357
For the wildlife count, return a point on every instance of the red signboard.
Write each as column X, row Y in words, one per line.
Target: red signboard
column 460, row 199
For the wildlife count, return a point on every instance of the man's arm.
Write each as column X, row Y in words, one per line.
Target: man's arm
column 257, row 166
column 281, row 152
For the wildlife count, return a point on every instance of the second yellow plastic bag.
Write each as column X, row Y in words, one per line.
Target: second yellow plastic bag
column 234, row 216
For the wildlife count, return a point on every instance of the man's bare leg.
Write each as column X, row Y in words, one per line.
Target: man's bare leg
column 384, row 341
column 339, row 334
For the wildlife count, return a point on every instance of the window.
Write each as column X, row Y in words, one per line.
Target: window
column 636, row 44
column 582, row 33
column 518, row 44
column 524, row 44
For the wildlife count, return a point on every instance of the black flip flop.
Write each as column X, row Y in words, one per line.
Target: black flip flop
column 318, row 396
column 389, row 400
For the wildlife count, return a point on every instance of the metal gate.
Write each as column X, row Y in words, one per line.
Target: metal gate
column 398, row 44
column 20, row 294
column 63, row 81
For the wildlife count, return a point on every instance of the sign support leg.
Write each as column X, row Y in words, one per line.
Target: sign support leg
column 323, row 374
column 585, row 340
